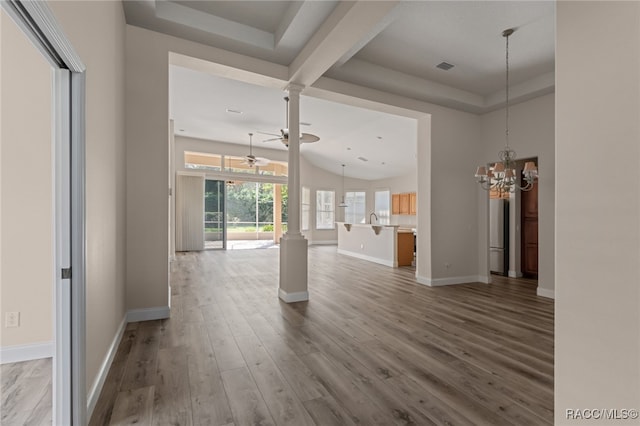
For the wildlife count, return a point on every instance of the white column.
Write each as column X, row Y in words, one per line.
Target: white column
column 293, row 245
column 293, row 226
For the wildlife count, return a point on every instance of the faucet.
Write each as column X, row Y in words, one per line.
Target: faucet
column 374, row 215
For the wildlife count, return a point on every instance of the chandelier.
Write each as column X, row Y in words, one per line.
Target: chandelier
column 502, row 177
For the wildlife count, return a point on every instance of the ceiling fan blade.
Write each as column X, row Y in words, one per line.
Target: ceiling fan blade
column 272, row 139
column 261, row 161
column 308, row 138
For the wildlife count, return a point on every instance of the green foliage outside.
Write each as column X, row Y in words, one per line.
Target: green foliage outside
column 246, row 203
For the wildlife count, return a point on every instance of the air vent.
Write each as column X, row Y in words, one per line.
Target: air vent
column 233, row 111
column 303, row 123
column 444, row 66
column 362, row 159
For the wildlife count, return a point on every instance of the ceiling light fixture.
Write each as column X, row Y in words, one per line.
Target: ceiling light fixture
column 342, row 203
column 502, row 177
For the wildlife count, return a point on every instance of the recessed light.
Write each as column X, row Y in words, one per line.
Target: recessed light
column 304, row 123
column 362, row 159
column 182, row 130
column 379, row 137
column 234, row 111
column 383, row 163
column 348, row 149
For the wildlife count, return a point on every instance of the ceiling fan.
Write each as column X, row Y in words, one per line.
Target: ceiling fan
column 284, row 133
column 251, row 160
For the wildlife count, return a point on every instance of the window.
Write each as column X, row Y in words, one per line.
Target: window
column 306, row 208
column 356, row 207
column 381, row 206
column 202, row 161
column 325, row 206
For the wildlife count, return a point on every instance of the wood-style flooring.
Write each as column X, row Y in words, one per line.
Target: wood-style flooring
column 371, row 347
column 25, row 393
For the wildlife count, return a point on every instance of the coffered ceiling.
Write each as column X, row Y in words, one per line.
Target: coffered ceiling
column 393, row 46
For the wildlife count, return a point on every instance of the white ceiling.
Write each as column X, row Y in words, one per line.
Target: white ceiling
column 199, row 103
column 392, row 46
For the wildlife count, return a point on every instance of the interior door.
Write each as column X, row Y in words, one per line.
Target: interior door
column 529, row 213
column 37, row 22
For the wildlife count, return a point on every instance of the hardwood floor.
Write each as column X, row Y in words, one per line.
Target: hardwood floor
column 25, row 393
column 371, row 347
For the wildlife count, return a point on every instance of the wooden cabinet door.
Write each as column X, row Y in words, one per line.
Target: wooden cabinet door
column 404, row 203
column 529, row 237
column 412, row 203
column 395, row 204
column 405, row 248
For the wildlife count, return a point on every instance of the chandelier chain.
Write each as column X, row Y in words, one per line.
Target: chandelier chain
column 507, row 94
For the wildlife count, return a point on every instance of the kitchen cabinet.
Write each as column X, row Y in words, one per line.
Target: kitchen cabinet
column 405, row 248
column 404, row 204
column 412, row 203
column 395, row 204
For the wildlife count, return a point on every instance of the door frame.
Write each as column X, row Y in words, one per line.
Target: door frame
column 38, row 23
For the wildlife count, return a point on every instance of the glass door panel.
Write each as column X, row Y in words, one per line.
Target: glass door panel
column 214, row 209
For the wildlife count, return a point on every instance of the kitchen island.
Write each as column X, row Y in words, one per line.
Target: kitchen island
column 390, row 245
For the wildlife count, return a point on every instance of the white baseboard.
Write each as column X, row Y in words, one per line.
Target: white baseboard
column 369, row 258
column 148, row 314
column 543, row 292
column 514, row 274
column 300, row 296
column 20, row 353
column 98, row 383
column 437, row 282
column 484, row 279
column 323, row 243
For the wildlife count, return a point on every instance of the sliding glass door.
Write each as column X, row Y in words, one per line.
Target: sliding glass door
column 214, row 213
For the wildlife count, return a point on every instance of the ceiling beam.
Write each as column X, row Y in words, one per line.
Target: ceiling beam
column 213, row 24
column 375, row 30
column 287, row 20
column 348, row 24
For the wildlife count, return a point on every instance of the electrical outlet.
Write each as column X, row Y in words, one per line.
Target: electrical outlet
column 12, row 319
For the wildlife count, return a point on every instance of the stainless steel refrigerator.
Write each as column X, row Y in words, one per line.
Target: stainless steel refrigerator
column 499, row 236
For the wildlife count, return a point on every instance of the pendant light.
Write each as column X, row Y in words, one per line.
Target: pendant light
column 502, row 177
column 342, row 203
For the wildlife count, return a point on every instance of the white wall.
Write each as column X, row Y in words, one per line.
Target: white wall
column 531, row 134
column 96, row 31
column 26, row 227
column 453, row 223
column 316, row 179
column 597, row 359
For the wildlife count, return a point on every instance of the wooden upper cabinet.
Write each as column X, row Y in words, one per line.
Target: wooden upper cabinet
column 395, row 203
column 412, row 203
column 404, row 203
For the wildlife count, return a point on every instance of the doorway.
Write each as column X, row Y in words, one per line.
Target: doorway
column 256, row 214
